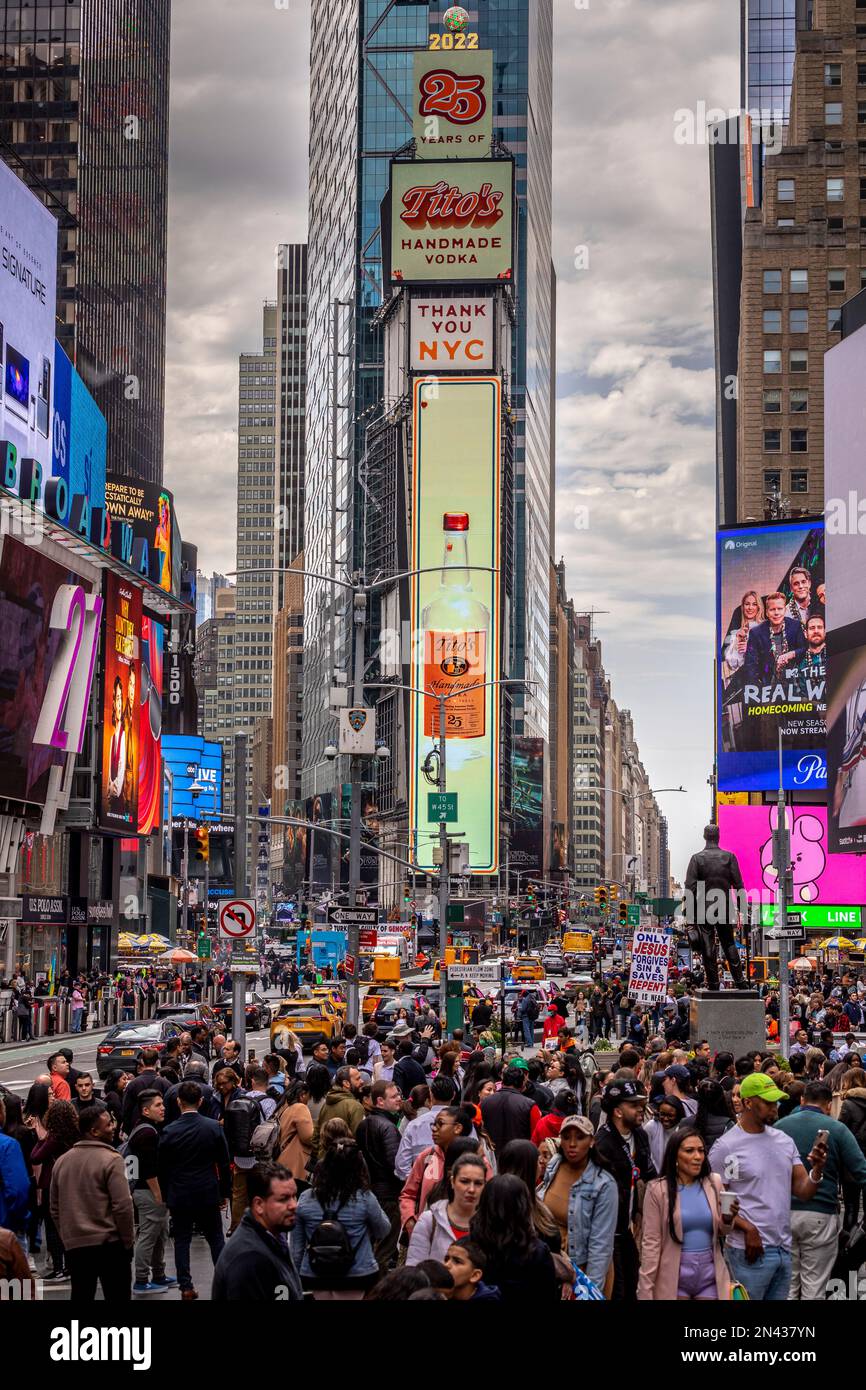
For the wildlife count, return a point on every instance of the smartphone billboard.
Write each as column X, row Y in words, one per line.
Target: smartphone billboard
column 455, row 606
column 771, row 658
column 452, row 221
column 28, row 290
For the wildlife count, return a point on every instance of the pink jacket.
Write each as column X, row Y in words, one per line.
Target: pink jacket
column 660, row 1255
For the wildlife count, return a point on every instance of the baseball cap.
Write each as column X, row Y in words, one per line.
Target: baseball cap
column 677, row 1072
column 617, row 1091
column 519, row 1062
column 577, row 1122
column 760, row 1085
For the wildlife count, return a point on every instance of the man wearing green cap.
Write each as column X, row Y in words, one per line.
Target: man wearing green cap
column 762, row 1166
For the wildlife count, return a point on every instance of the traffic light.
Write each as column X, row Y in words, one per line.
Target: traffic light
column 202, row 844
column 623, row 914
column 601, row 896
column 614, row 892
column 530, row 894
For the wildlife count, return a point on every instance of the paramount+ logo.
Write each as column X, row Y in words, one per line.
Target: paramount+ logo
column 77, row 1343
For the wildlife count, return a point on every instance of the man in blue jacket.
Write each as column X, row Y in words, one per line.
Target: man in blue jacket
column 195, row 1180
column 815, row 1223
column 14, row 1183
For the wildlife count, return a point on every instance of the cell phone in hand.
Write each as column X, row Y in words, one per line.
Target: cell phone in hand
column 822, row 1136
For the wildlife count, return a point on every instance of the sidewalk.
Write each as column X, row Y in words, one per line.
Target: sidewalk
column 58, row 1038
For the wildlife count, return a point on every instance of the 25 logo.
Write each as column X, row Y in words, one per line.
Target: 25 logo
column 460, row 99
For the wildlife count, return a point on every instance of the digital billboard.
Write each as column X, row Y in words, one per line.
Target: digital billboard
column 453, row 107
column 772, row 657
column 150, row 727
column 142, row 529
column 451, row 335
column 294, row 849
column 819, row 877
column 79, row 441
column 369, row 835
column 845, row 520
column 452, row 221
column 121, row 713
column 197, row 774
column 455, row 605
column 526, row 854
column 41, row 667
column 319, row 810
column 28, row 290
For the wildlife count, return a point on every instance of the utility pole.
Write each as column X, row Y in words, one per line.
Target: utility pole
column 185, row 913
column 239, row 976
column 782, row 863
column 353, row 1008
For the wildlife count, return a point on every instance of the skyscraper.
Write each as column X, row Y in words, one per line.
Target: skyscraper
column 84, row 120
column 291, row 404
column 361, row 83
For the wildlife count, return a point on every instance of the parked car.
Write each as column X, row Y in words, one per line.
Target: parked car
column 258, row 1010
column 124, row 1043
column 311, row 1020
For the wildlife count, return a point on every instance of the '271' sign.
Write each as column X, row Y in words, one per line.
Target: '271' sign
column 62, row 719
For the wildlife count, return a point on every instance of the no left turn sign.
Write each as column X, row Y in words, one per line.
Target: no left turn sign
column 237, row 920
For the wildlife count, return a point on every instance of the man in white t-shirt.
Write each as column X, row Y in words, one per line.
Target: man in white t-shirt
column 762, row 1166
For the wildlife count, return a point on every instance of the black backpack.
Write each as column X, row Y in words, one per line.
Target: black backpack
column 532, row 1009
column 329, row 1250
column 242, row 1116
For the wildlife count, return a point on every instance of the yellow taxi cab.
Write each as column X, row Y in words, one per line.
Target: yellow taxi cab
column 333, row 994
column 374, row 996
column 528, row 968
column 311, row 1020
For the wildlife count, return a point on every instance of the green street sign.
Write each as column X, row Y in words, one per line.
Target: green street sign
column 633, row 915
column 442, row 806
column 817, row 917
column 455, row 914
column 203, row 948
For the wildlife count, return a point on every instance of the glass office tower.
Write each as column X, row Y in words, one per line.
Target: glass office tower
column 84, row 120
column 361, row 98
column 769, row 45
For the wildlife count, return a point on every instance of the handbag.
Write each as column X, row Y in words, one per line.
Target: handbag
column 739, row 1293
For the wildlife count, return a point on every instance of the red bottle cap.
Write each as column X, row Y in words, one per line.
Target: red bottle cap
column 456, row 521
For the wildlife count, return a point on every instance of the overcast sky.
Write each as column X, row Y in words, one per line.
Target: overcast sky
column 635, row 482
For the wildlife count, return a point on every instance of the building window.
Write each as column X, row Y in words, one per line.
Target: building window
column 835, row 190
column 773, row 402
column 862, row 189
column 799, row 441
column 834, row 320
column 772, row 362
column 772, row 282
column 785, row 222
column 785, row 190
column 772, row 481
column 798, row 361
column 799, row 282
column 798, row 320
column 861, row 113
column 835, row 224
column 772, row 441
column 832, row 74
column 799, row 401
column 861, row 74
column 832, row 113
column 799, row 482
column 772, row 320
column 836, row 281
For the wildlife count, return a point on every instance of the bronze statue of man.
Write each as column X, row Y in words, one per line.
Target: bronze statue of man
column 712, row 876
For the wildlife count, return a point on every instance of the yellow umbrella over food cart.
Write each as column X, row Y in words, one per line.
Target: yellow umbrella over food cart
column 836, row 943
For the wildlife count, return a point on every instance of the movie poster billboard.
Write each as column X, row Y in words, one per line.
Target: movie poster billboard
column 771, row 657
column 845, row 519
column 31, row 651
column 150, row 727
column 295, row 850
column 121, row 712
column 455, row 605
column 452, row 221
column 369, row 834
column 142, row 529
column 319, row 811
column 527, row 811
column 28, row 290
column 819, row 877
column 453, row 108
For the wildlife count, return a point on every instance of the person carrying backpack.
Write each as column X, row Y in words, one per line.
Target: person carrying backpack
column 337, row 1224
column 242, row 1112
column 527, row 1012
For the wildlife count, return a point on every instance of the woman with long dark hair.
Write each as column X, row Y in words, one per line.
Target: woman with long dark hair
column 713, row 1117
column 517, row 1262
column 681, row 1253
column 338, row 1263
column 61, row 1125
column 449, row 1219
column 520, row 1158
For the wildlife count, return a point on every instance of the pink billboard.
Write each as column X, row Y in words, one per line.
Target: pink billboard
column 839, row 879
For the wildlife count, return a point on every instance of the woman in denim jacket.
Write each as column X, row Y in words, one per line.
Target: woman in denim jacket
column 340, row 1187
column 583, row 1199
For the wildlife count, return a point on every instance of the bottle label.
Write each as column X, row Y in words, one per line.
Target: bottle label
column 455, row 661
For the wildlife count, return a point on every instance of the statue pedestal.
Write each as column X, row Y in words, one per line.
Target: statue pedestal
column 732, row 1020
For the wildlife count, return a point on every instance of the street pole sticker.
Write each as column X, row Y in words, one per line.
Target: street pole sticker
column 237, row 920
column 648, row 981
